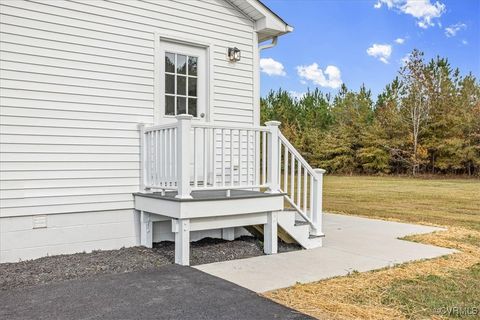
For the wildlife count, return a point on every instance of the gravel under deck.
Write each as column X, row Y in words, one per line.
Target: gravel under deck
column 84, row 265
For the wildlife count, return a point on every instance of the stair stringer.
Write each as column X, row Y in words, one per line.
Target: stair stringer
column 299, row 232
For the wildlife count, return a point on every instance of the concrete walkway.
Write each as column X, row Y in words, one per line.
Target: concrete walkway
column 351, row 243
column 171, row 292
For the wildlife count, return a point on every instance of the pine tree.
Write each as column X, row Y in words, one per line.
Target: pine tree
column 427, row 120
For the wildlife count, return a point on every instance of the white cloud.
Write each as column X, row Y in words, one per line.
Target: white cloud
column 422, row 10
column 400, row 40
column 451, row 31
column 388, row 3
column 380, row 51
column 331, row 77
column 271, row 67
column 464, row 42
column 405, row 59
column 297, row 95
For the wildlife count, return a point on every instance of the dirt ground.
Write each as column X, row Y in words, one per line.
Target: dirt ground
column 84, row 265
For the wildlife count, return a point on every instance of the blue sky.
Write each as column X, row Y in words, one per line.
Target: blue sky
column 364, row 41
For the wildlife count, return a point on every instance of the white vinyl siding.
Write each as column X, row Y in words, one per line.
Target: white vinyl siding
column 76, row 79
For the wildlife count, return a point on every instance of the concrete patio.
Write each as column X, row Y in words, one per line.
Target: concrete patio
column 351, row 244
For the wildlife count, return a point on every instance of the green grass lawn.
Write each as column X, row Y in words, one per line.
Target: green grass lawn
column 455, row 294
column 446, row 287
column 447, row 202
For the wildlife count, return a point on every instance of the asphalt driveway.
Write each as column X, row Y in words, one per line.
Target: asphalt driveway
column 170, row 292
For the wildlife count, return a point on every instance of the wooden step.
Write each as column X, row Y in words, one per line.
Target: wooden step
column 300, row 223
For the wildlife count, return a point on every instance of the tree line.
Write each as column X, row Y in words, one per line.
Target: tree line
column 426, row 121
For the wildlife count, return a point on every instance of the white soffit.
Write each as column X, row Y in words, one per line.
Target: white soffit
column 267, row 23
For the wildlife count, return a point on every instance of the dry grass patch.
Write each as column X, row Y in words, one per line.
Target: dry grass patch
column 368, row 295
column 448, row 202
column 413, row 290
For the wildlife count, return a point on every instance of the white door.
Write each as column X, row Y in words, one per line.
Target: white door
column 183, row 90
column 183, row 82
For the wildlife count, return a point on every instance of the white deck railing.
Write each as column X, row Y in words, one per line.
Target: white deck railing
column 227, row 157
column 302, row 184
column 187, row 155
column 159, row 157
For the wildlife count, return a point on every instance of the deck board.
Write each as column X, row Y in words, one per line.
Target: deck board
column 210, row 195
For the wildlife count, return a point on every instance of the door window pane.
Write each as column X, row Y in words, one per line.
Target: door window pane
column 192, row 86
column 169, row 83
column 181, row 92
column 192, row 66
column 170, row 105
column 181, row 64
column 170, row 62
column 181, row 85
column 181, row 105
column 192, row 106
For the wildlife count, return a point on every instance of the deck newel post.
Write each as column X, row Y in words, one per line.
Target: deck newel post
column 273, row 179
column 270, row 240
column 143, row 159
column 317, row 211
column 183, row 156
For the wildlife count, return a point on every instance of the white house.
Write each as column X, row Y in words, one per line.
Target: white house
column 126, row 121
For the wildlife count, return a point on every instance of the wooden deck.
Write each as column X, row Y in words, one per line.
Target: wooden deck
column 209, row 195
column 206, row 210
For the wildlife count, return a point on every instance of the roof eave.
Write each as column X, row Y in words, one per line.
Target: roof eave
column 267, row 23
column 271, row 25
column 268, row 31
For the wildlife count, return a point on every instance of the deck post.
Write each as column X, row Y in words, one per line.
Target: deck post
column 228, row 234
column 183, row 156
column 181, row 228
column 270, row 240
column 146, row 225
column 143, row 159
column 273, row 161
column 317, row 211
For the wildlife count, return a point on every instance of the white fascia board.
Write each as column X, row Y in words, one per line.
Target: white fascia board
column 267, row 29
column 269, row 25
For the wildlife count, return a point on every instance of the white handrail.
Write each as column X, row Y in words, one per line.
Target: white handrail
column 216, row 126
column 298, row 193
column 294, row 151
column 161, row 126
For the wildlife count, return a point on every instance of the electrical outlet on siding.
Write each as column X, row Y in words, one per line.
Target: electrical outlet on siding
column 39, row 222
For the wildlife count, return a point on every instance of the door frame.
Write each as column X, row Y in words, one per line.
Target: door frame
column 159, row 106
